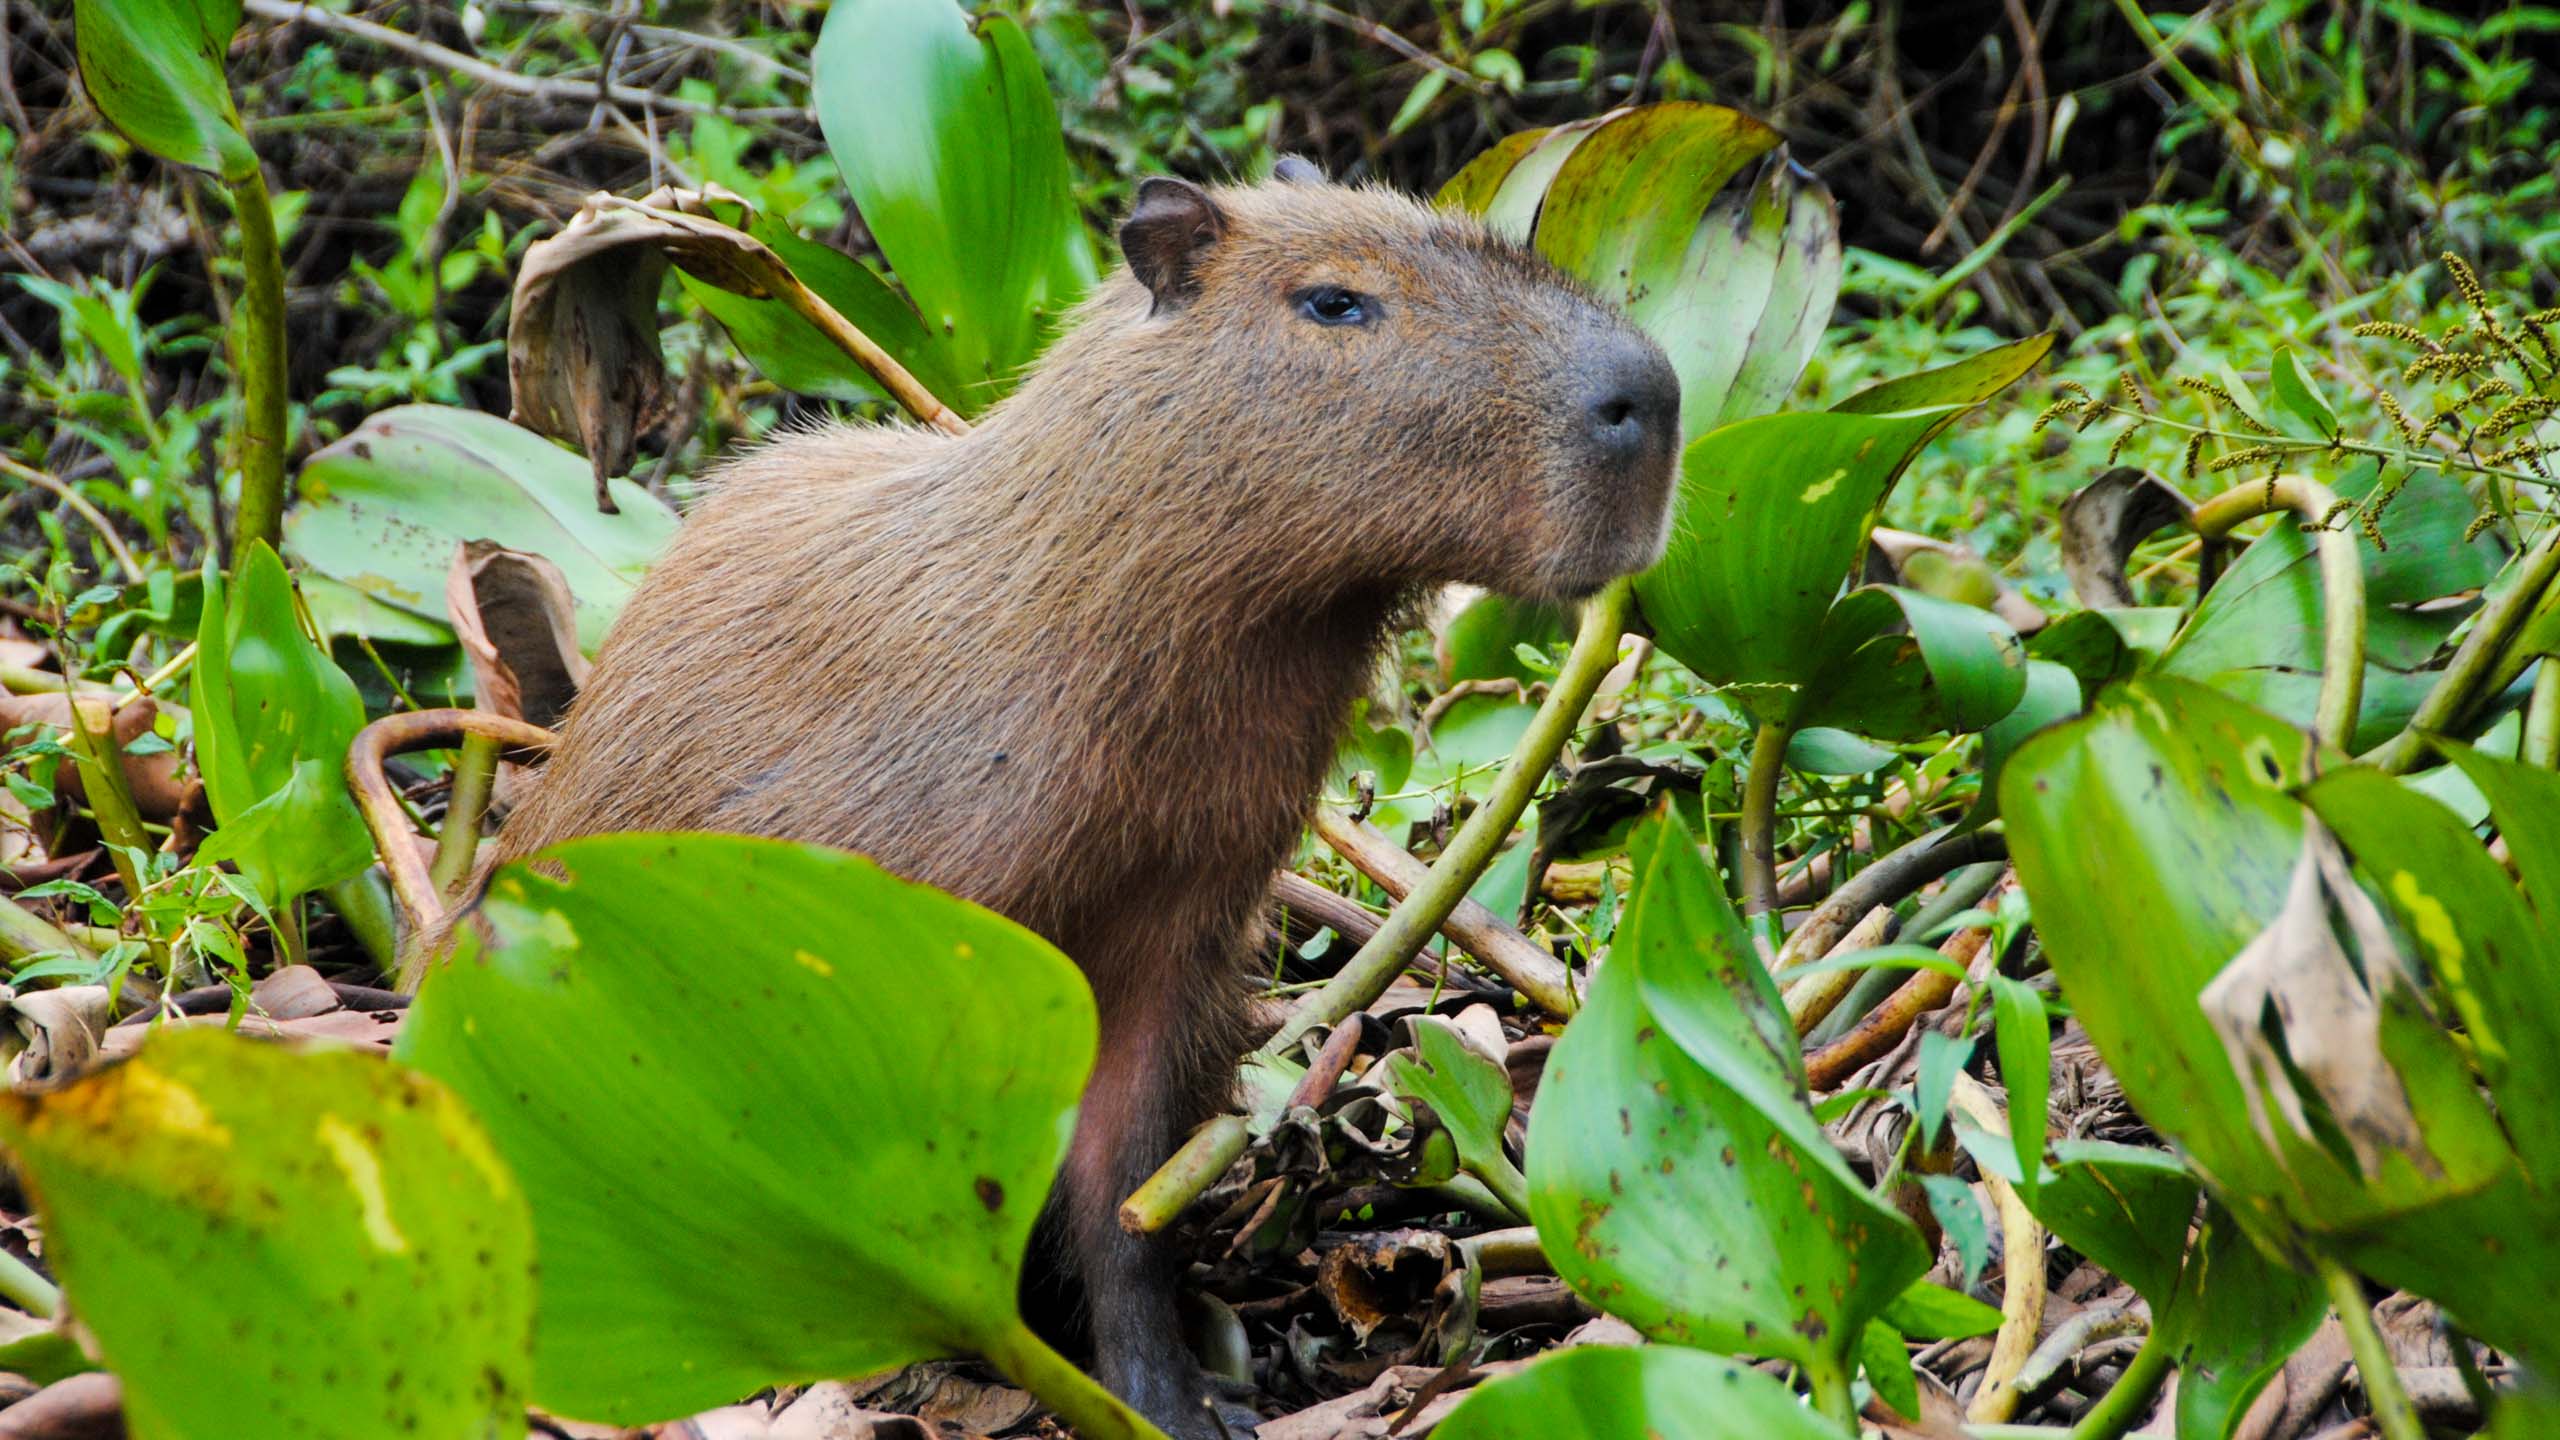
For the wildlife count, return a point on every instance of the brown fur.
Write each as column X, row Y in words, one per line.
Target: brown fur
column 1087, row 664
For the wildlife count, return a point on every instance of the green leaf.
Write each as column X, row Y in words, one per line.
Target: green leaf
column 1772, row 516
column 1481, row 642
column 154, row 70
column 1692, row 219
column 1887, row 1363
column 1900, row 665
column 1603, row 1392
column 1934, row 1312
column 383, row 509
column 2125, row 1207
column 1960, row 1216
column 1963, row 384
column 273, row 718
column 304, row 836
column 2053, row 694
column 944, row 130
column 2100, row 647
column 2237, row 1317
column 1676, row 1177
column 2026, row 1067
column 2294, row 391
column 668, row 1017
column 2202, row 842
column 794, row 355
column 1941, row 1056
column 2473, row 932
column 2257, row 632
column 1470, row 1094
column 1820, row 750
column 328, row 1234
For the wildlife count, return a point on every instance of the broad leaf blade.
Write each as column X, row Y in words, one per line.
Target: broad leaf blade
column 154, row 70
column 2156, row 839
column 944, row 130
column 1676, row 1177
column 1898, row 664
column 784, row 1027
column 383, row 509
column 1600, row 1392
column 329, row 1235
column 1772, row 516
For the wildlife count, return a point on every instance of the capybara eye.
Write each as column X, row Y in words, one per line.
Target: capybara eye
column 1333, row 305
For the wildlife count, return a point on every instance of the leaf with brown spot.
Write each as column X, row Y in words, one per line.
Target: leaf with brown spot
column 329, row 1234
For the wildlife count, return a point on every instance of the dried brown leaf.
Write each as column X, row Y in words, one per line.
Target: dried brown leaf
column 2303, row 970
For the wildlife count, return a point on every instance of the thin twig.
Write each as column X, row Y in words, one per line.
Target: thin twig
column 81, row 507
column 474, row 68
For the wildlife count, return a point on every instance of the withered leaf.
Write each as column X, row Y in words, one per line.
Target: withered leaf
column 2101, row 524
column 2322, row 972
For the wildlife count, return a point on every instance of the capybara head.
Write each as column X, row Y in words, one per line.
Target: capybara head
column 1424, row 400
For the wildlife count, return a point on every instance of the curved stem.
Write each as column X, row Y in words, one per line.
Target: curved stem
column 260, row 355
column 1595, row 650
column 902, row 386
column 2541, row 744
column 1760, row 818
column 81, row 507
column 2022, row 1281
column 33, row 1293
column 2341, row 587
column 1091, row 1411
column 458, row 843
column 2130, row 1397
column 2476, row 660
column 1194, row 1168
column 1829, row 1380
column 2383, row 1392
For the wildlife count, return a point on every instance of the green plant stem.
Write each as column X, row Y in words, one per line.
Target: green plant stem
column 1194, row 1168
column 458, row 843
column 363, row 902
column 23, row 933
column 1760, row 818
column 2541, row 743
column 2341, row 587
column 1829, row 1381
column 1412, row 922
column 2383, row 1392
column 2478, row 657
column 33, row 1293
column 2125, row 1401
column 2444, row 460
column 1091, row 1411
column 260, row 355
column 102, row 775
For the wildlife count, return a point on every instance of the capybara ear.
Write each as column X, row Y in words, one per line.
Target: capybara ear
column 1173, row 222
column 1297, row 170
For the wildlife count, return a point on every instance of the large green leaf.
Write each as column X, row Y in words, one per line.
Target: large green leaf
column 2157, row 839
column 383, row 509
column 871, row 1081
column 791, row 352
column 1772, row 515
column 1676, row 1176
column 1962, row 383
column 1604, row 1392
column 2257, row 632
column 1692, row 219
column 273, row 718
column 2126, row 1208
column 2472, row 929
column 154, row 70
column 1899, row 665
column 944, row 130
column 2237, row 1317
column 275, row 1242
